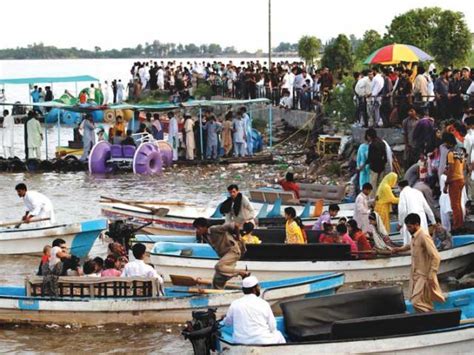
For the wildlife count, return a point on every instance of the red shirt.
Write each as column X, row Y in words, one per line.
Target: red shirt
column 291, row 186
column 362, row 242
column 327, row 239
column 44, row 259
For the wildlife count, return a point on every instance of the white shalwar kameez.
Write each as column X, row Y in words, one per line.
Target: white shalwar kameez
column 445, row 209
column 39, row 206
column 8, row 136
column 413, row 201
column 173, row 137
column 253, row 321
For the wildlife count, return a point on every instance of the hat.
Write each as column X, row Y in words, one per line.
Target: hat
column 466, row 68
column 249, row 282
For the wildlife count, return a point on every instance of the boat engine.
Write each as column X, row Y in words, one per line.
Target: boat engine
column 122, row 232
column 203, row 331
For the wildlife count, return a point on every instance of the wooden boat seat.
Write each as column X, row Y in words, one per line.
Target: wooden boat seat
column 312, row 319
column 395, row 324
column 97, row 287
column 270, row 196
column 327, row 193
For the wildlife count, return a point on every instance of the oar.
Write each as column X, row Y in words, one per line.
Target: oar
column 200, row 290
column 19, row 223
column 180, row 280
column 165, row 203
column 160, row 212
column 466, row 321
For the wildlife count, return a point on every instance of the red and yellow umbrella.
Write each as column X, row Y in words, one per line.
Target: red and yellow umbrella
column 396, row 53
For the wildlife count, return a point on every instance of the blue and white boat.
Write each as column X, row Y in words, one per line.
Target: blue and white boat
column 368, row 321
column 31, row 240
column 277, row 261
column 104, row 300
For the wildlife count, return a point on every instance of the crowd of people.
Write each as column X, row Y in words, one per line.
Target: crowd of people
column 384, row 96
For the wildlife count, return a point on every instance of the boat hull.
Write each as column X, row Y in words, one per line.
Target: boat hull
column 30, row 241
column 395, row 268
column 31, row 310
column 455, row 341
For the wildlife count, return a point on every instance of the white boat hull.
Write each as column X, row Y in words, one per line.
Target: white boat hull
column 381, row 269
column 458, row 341
column 31, row 241
column 148, row 310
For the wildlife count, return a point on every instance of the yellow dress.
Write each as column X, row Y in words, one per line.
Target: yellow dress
column 294, row 234
column 385, row 198
column 251, row 239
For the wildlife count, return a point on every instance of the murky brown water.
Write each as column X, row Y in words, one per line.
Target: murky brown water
column 75, row 197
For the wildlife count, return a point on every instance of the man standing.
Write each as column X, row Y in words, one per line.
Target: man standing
column 225, row 240
column 469, row 146
column 88, row 136
column 376, row 98
column 35, row 137
column 238, row 129
column 441, row 90
column 37, row 205
column 412, row 201
column 409, row 125
column 362, row 91
column 212, row 129
column 377, row 158
column 173, row 134
column 425, row 262
column 455, row 180
column 247, row 121
column 120, row 91
column 252, row 318
column 8, row 134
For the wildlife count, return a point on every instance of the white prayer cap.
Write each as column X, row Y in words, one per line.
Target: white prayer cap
column 249, row 282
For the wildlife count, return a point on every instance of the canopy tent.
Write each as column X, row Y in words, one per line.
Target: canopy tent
column 51, row 79
column 158, row 106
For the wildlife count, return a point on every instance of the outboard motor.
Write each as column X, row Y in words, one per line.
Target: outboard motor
column 202, row 331
column 122, row 232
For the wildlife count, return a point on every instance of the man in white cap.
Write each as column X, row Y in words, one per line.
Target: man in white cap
column 252, row 318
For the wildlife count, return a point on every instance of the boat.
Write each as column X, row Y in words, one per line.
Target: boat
column 31, row 240
column 91, row 301
column 277, row 261
column 367, row 321
column 180, row 215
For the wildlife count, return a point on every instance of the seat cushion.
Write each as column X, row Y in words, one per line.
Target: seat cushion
column 394, row 324
column 308, row 318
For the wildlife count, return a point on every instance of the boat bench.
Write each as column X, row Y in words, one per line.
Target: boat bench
column 312, row 319
column 97, row 287
column 270, row 196
column 118, row 151
column 327, row 193
column 407, row 323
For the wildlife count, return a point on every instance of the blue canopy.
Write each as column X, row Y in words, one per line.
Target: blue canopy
column 51, row 79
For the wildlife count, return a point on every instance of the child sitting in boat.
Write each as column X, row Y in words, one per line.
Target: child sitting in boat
column 441, row 237
column 358, row 236
column 112, row 267
column 248, row 237
column 89, row 269
column 344, row 238
column 44, row 259
column 328, row 236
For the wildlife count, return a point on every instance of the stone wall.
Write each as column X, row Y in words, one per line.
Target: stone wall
column 393, row 136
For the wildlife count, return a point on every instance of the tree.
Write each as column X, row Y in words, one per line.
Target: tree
column 414, row 27
column 308, row 48
column 338, row 54
column 214, row 49
column 452, row 41
column 282, row 47
column 370, row 42
column 191, row 49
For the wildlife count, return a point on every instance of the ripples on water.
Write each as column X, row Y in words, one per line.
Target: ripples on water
column 75, row 197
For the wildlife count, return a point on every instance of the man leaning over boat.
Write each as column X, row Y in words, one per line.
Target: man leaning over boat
column 37, row 205
column 226, row 241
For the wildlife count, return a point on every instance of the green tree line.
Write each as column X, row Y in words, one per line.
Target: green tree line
column 442, row 33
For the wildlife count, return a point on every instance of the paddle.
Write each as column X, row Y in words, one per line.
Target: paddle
column 19, row 223
column 164, row 203
column 160, row 212
column 200, row 291
column 180, row 280
column 466, row 321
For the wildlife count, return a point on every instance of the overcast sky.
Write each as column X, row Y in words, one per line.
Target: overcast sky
column 239, row 23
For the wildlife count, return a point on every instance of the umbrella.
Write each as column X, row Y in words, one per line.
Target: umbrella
column 396, row 53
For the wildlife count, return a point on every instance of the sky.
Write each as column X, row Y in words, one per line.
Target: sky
column 240, row 23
